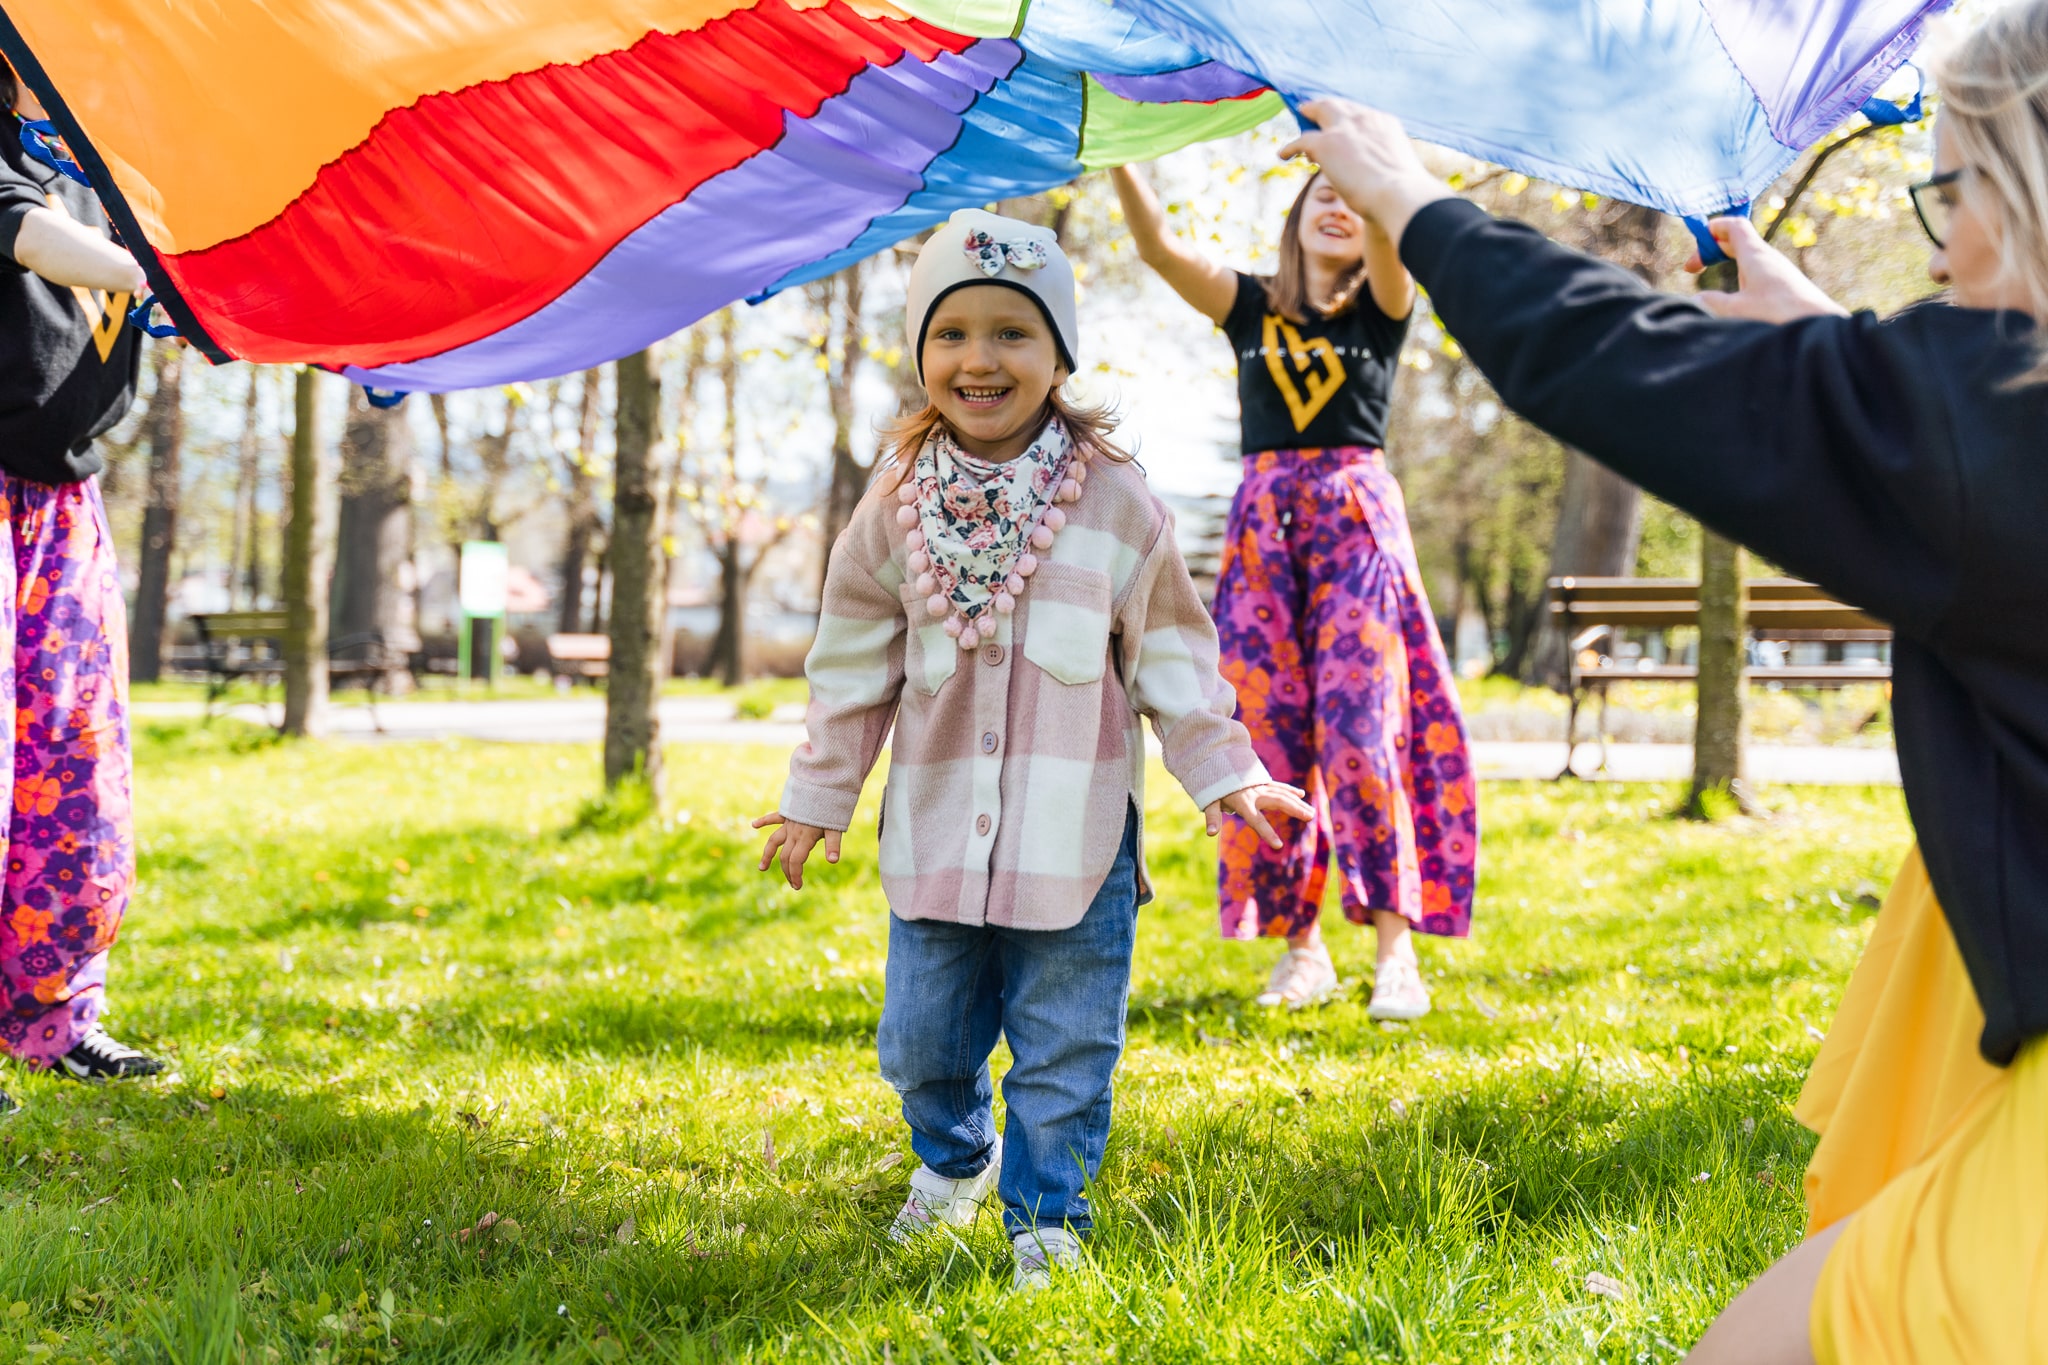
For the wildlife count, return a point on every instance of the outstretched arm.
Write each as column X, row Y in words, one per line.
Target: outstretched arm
column 1208, row 285
column 1819, row 440
column 1393, row 288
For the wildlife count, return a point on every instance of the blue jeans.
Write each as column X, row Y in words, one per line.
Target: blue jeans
column 1059, row 997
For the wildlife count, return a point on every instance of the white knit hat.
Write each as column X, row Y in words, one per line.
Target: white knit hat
column 978, row 247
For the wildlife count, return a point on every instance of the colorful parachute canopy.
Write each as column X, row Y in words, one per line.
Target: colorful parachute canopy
column 439, row 194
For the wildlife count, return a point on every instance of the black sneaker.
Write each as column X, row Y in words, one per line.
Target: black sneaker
column 99, row 1058
column 9, row 1106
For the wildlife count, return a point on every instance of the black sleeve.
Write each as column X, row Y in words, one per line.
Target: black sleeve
column 1247, row 311
column 19, row 196
column 1811, row 442
column 1387, row 334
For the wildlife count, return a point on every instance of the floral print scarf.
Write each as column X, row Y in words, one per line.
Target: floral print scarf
column 977, row 521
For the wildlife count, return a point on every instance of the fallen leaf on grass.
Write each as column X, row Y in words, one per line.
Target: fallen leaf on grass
column 1767, row 1180
column 1606, row 1286
column 889, row 1162
column 483, row 1224
column 624, row 1236
column 97, row 1203
column 768, row 1157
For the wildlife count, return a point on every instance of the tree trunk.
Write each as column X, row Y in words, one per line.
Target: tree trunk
column 727, row 661
column 632, row 726
column 849, row 476
column 308, row 560
column 582, row 511
column 1600, row 515
column 373, row 536
column 728, row 646
column 1599, row 526
column 686, row 418
column 165, row 423
column 241, row 587
column 1718, row 778
column 1718, row 767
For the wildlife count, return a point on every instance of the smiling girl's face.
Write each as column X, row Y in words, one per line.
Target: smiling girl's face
column 1330, row 231
column 990, row 364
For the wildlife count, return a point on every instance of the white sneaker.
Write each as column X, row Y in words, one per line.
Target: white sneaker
column 1302, row 977
column 1039, row 1253
column 935, row 1201
column 1398, row 992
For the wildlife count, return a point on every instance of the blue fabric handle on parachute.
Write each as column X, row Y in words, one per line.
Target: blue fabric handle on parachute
column 1889, row 113
column 138, row 316
column 39, row 137
column 384, row 398
column 1710, row 250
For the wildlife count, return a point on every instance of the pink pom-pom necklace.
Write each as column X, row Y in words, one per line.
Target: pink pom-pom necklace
column 937, row 580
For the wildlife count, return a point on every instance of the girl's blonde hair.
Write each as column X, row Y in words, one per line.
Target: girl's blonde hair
column 1088, row 428
column 1994, row 93
column 1287, row 287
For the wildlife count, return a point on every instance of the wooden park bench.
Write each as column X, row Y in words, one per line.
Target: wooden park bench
column 249, row 646
column 588, row 657
column 1783, row 610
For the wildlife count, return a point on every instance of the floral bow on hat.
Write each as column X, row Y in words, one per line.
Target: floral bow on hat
column 990, row 255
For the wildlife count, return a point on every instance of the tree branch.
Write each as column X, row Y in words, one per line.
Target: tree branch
column 1806, row 177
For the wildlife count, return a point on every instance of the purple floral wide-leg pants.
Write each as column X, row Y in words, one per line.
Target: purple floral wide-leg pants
column 1342, row 681
column 70, row 838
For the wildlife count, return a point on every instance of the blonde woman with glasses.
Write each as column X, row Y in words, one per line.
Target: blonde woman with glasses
column 1901, row 463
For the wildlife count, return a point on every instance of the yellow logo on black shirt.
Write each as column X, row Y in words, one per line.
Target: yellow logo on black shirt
column 1300, row 355
column 108, row 313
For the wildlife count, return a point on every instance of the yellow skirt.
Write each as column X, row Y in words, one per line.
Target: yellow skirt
column 1941, row 1157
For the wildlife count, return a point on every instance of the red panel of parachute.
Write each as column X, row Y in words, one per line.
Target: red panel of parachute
column 468, row 211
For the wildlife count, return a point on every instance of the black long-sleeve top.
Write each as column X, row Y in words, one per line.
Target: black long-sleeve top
column 1889, row 460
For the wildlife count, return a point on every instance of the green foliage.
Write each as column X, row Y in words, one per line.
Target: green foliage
column 450, row 1087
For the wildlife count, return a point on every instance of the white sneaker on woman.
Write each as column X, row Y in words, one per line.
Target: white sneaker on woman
column 1398, row 992
column 1039, row 1252
column 935, row 1201
column 1302, row 977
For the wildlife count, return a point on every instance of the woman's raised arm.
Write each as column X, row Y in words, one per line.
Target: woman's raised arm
column 1210, row 287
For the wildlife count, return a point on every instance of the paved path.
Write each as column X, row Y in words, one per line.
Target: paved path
column 709, row 720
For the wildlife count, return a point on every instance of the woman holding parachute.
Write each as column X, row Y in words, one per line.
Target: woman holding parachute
column 1896, row 461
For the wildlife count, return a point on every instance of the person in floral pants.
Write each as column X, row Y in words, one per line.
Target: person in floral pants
column 68, row 362
column 1326, row 631
column 1342, row 681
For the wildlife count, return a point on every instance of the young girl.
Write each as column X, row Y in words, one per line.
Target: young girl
column 1898, row 462
column 1010, row 596
column 1326, row 631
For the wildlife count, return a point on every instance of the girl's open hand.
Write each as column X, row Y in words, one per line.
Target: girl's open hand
column 791, row 845
column 1247, row 804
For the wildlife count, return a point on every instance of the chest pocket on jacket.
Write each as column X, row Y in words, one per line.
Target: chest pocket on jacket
column 1067, row 632
column 929, row 654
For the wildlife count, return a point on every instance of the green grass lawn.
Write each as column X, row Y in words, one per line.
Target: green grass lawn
column 461, row 1078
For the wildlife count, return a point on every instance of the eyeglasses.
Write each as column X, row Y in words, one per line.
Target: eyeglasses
column 1934, row 201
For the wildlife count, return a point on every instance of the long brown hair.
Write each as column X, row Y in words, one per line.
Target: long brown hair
column 1287, row 288
column 1088, row 428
